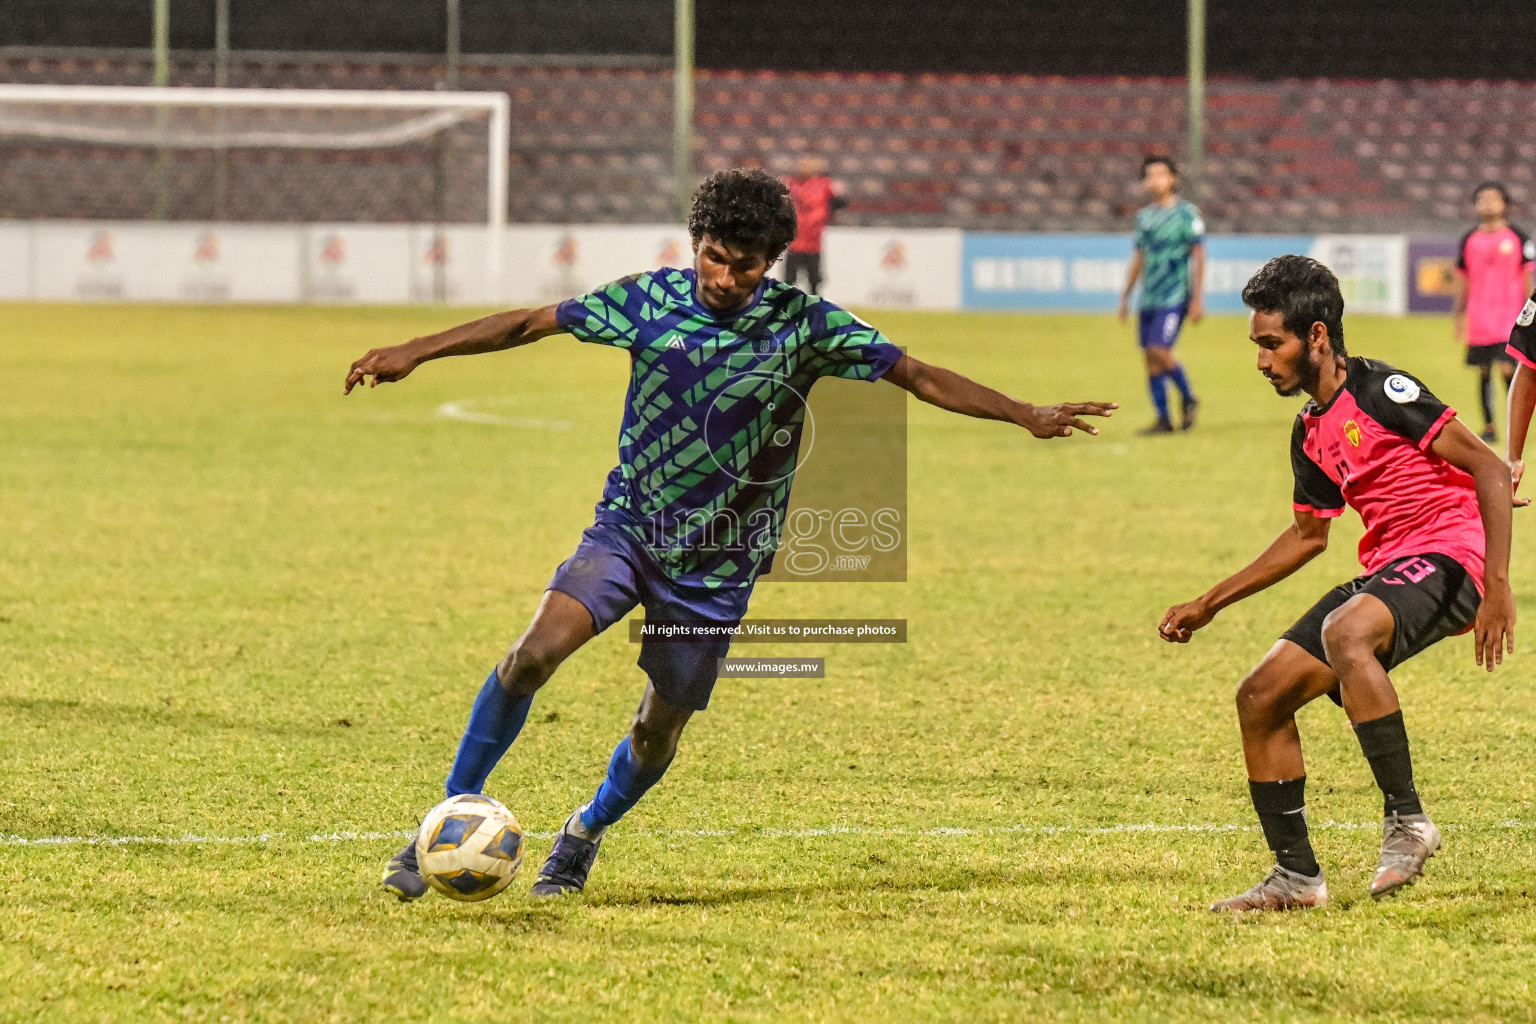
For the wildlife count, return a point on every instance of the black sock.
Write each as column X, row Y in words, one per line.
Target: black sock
column 1282, row 808
column 1384, row 742
column 1485, row 392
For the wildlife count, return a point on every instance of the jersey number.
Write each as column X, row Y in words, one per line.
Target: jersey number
column 1417, row 570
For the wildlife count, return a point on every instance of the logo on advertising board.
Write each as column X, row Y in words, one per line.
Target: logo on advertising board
column 562, row 282
column 99, row 279
column 893, row 284
column 673, row 254
column 206, row 281
column 431, row 280
column 329, row 280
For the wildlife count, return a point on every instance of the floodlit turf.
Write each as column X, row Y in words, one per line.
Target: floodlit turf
column 234, row 603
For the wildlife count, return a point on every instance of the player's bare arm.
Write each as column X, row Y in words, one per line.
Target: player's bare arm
column 492, row 333
column 1131, row 277
column 955, row 393
column 1197, row 283
column 1303, row 541
column 1522, row 403
column 1494, row 630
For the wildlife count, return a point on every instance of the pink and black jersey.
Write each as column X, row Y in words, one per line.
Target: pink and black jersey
column 1522, row 339
column 1369, row 448
column 1494, row 264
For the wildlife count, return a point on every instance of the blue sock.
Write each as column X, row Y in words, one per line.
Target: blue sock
column 494, row 723
column 1159, row 388
column 622, row 789
column 1181, row 381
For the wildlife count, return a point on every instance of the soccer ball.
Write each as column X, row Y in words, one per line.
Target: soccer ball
column 469, row 847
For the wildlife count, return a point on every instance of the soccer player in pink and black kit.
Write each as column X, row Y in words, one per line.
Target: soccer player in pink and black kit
column 1494, row 263
column 1436, row 503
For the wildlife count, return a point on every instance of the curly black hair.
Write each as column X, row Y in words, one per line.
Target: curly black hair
column 744, row 209
column 1303, row 292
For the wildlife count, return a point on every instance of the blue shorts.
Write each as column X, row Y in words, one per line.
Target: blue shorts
column 610, row 573
column 1160, row 326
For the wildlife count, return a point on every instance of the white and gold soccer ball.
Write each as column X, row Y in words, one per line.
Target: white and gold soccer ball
column 469, row 847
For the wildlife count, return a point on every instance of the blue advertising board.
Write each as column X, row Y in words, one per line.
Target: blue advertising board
column 1086, row 272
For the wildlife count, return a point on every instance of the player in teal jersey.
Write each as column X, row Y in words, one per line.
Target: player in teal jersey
column 1170, row 261
column 722, row 359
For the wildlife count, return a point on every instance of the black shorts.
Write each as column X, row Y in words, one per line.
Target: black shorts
column 1430, row 596
column 1489, row 355
column 803, row 264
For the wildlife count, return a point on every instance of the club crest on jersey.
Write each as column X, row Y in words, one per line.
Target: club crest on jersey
column 1401, row 389
column 1527, row 313
column 1352, row 433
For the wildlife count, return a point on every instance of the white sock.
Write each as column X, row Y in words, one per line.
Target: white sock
column 574, row 827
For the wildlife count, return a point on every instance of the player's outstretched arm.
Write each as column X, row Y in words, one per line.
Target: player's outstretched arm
column 949, row 390
column 1305, row 540
column 1494, row 630
column 488, row 334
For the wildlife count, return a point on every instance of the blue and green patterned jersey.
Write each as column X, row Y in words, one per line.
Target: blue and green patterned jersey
column 1164, row 237
column 712, row 421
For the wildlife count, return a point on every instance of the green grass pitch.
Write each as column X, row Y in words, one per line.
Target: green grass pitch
column 234, row 603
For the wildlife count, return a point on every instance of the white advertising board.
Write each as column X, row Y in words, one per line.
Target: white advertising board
column 15, row 261
column 345, row 263
column 548, row 264
column 892, row 268
column 1372, row 270
column 448, row 265
column 164, row 263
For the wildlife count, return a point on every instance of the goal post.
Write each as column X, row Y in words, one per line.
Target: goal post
column 316, row 154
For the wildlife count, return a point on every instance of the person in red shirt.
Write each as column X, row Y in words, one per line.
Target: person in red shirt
column 1494, row 264
column 1436, row 503
column 816, row 199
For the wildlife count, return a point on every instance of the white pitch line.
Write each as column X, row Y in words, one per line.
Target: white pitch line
column 765, row 833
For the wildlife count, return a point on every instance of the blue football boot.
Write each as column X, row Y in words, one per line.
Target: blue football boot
column 569, row 862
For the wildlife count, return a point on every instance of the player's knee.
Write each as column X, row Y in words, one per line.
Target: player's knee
column 1347, row 640
column 526, row 668
column 1258, row 696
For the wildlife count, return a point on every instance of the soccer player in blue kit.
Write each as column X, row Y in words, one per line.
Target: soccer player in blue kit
column 722, row 358
column 1169, row 259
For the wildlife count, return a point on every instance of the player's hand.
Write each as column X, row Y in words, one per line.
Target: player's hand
column 1196, row 310
column 1060, row 420
column 1180, row 622
column 383, row 365
column 1516, row 471
column 1494, row 630
column 1125, row 308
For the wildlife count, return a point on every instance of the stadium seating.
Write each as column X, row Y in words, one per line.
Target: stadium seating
column 973, row 151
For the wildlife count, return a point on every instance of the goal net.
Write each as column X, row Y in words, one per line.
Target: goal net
column 256, row 156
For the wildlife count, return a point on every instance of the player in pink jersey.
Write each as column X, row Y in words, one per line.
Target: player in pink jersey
column 1436, row 503
column 1494, row 263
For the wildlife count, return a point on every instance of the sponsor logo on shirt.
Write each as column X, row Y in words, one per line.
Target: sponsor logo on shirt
column 676, row 342
column 1527, row 313
column 1352, row 433
column 1401, row 389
